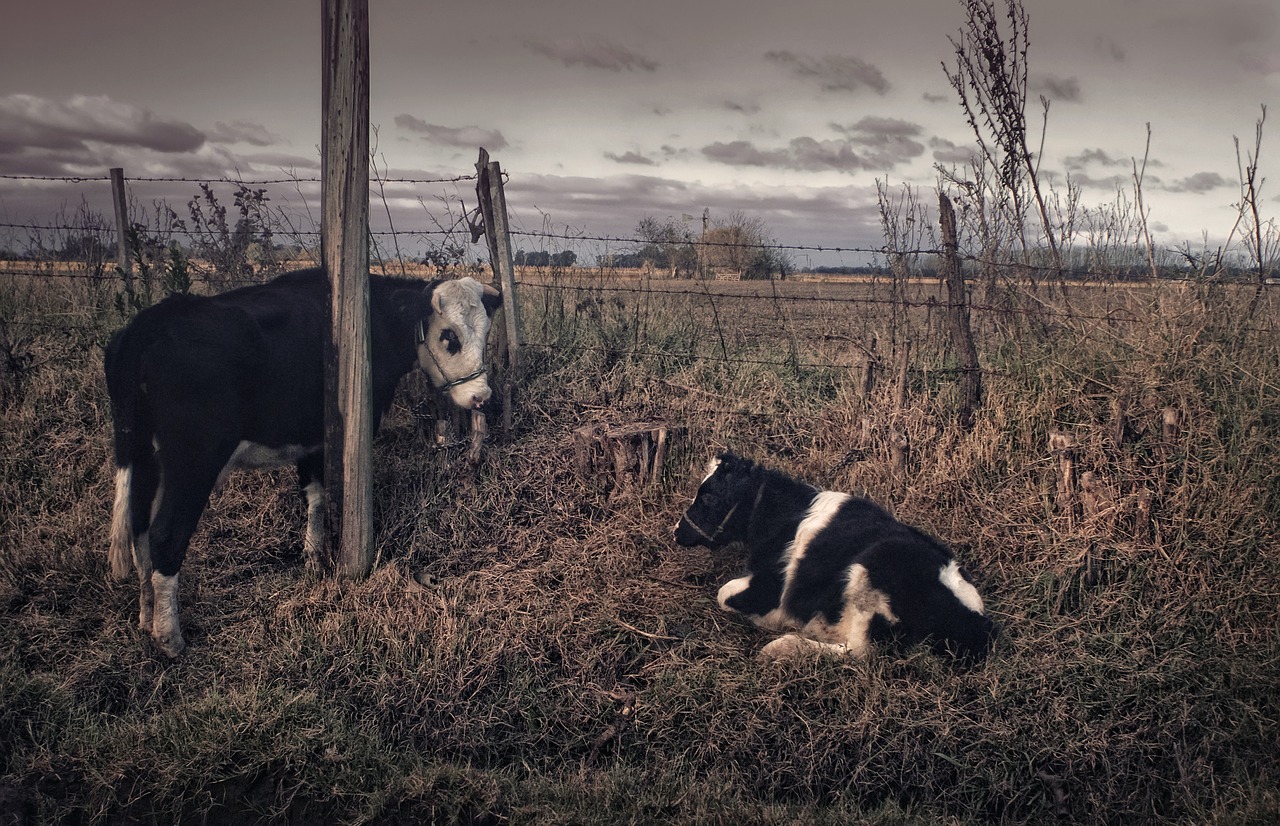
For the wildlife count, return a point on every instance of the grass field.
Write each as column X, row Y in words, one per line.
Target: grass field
column 533, row 648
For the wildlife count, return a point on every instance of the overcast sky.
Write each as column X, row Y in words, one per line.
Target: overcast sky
column 603, row 113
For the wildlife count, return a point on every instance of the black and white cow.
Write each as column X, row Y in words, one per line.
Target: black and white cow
column 202, row 385
column 835, row 571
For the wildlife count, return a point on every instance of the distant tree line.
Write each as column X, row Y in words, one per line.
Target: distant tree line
column 738, row 244
column 542, row 258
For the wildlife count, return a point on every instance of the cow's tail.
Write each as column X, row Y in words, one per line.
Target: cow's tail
column 121, row 553
column 132, row 433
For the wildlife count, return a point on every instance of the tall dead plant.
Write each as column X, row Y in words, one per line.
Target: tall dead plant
column 990, row 79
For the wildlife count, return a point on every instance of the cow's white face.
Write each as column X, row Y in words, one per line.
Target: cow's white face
column 452, row 345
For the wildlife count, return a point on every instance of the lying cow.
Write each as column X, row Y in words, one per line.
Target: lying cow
column 834, row 570
column 203, row 385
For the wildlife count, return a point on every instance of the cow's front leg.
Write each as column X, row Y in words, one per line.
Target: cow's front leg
column 729, row 591
column 792, row 645
column 756, row 598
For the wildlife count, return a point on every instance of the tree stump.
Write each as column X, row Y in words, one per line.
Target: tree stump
column 631, row 456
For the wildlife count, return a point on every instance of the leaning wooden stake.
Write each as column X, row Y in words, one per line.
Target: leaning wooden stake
column 958, row 316
column 1062, row 446
column 904, row 363
column 1172, row 419
column 124, row 257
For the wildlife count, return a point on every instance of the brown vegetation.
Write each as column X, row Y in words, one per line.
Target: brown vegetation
column 532, row 647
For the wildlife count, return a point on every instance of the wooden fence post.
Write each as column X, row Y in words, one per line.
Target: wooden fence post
column 493, row 211
column 345, row 255
column 124, row 256
column 958, row 315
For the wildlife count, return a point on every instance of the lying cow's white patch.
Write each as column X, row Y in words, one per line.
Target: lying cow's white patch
column 712, row 467
column 821, row 511
column 961, row 587
column 862, row 603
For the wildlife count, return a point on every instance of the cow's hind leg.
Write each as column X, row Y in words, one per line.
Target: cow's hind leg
column 311, row 482
column 143, row 497
column 184, row 494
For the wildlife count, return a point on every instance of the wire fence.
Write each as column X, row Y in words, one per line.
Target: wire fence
column 838, row 320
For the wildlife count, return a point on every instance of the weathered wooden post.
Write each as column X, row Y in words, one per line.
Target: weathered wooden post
column 493, row 211
column 345, row 255
column 124, row 256
column 958, row 315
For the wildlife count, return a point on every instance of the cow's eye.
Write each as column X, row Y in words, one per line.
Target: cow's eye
column 451, row 342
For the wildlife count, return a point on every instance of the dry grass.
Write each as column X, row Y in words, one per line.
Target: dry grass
column 566, row 663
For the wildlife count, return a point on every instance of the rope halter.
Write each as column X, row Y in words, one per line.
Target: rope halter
column 715, row 535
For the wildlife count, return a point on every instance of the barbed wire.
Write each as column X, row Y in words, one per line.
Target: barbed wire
column 704, row 243
column 77, row 179
column 705, row 292
column 634, row 242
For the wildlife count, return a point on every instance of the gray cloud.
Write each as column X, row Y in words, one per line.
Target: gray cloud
column 888, row 127
column 242, row 131
column 949, row 152
column 741, row 108
column 832, row 73
column 631, row 158
column 1100, row 157
column 601, row 54
column 745, row 153
column 1088, row 157
column 1062, row 89
column 874, row 144
column 1199, row 183
column 1108, row 47
column 36, row 123
column 1111, row 182
column 466, row 137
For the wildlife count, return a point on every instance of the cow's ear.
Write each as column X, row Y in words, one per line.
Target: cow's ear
column 413, row 304
column 435, row 296
column 492, row 298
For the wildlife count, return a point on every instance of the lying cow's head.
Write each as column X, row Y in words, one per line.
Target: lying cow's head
column 452, row 339
column 722, row 509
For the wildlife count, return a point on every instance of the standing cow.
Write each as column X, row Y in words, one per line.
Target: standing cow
column 835, row 571
column 202, row 385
